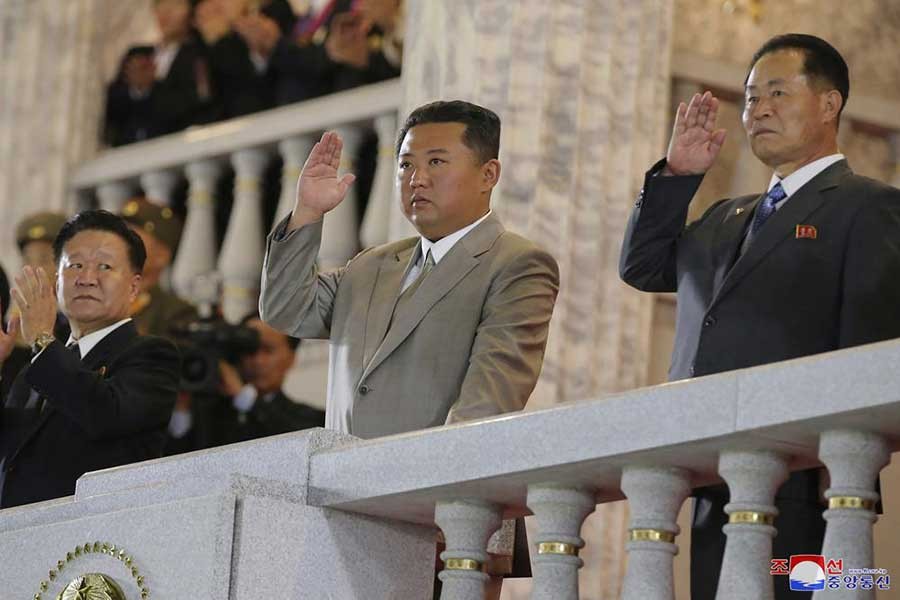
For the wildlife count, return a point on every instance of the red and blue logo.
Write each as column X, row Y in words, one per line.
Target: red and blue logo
column 807, row 572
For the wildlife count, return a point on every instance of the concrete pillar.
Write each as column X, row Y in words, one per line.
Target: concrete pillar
column 293, row 153
column 159, row 186
column 241, row 257
column 560, row 512
column 854, row 459
column 753, row 478
column 197, row 249
column 113, row 195
column 655, row 496
column 340, row 230
column 467, row 526
column 382, row 199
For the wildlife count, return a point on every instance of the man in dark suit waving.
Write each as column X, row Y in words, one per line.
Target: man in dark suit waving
column 104, row 398
column 811, row 265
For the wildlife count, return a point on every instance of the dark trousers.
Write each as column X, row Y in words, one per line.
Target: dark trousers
column 801, row 530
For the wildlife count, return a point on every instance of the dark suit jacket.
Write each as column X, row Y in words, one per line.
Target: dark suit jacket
column 791, row 294
column 788, row 296
column 109, row 409
column 278, row 415
column 173, row 103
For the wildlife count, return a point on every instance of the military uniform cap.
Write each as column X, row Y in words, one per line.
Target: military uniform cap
column 156, row 220
column 43, row 226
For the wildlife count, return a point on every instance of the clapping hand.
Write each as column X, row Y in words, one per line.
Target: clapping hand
column 319, row 188
column 8, row 337
column 36, row 301
column 695, row 142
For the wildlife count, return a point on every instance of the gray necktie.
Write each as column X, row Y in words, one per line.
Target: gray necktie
column 407, row 294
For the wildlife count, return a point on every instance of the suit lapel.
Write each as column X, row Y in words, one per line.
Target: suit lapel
column 386, row 291
column 452, row 269
column 781, row 225
column 730, row 237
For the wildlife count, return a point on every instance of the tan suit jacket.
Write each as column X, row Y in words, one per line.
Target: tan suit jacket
column 470, row 343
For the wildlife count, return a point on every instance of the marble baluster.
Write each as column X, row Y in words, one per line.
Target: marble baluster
column 560, row 512
column 197, row 249
column 753, row 477
column 112, row 196
column 293, row 153
column 382, row 199
column 854, row 459
column 340, row 227
column 655, row 496
column 467, row 526
column 241, row 256
column 159, row 186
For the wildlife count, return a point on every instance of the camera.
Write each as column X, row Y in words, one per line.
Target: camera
column 204, row 343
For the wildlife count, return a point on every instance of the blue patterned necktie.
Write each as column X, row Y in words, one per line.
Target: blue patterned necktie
column 767, row 208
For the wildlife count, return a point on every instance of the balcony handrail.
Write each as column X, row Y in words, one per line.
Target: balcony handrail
column 782, row 407
column 223, row 138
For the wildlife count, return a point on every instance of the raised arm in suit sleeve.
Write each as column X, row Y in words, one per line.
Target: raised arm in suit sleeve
column 135, row 393
column 650, row 246
column 508, row 350
column 295, row 297
column 870, row 310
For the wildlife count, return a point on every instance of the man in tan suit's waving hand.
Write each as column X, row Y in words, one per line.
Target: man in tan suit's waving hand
column 444, row 327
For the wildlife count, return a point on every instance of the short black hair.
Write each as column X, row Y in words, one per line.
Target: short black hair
column 822, row 62
column 293, row 343
column 482, row 133
column 102, row 220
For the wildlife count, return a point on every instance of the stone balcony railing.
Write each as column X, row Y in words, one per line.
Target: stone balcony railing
column 321, row 515
column 156, row 167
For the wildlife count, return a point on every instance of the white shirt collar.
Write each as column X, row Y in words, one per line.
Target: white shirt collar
column 87, row 342
column 440, row 248
column 796, row 180
column 164, row 57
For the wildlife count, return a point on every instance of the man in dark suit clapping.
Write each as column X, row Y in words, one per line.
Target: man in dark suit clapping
column 104, row 398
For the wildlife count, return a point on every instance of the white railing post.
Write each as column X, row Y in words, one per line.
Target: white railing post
column 159, row 186
column 241, row 257
column 560, row 512
column 753, row 478
column 293, row 152
column 467, row 526
column 655, row 496
column 340, row 231
column 112, row 195
column 854, row 459
column 377, row 220
column 197, row 250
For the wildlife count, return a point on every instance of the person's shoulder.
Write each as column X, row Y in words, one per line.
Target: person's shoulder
column 389, row 249
column 872, row 190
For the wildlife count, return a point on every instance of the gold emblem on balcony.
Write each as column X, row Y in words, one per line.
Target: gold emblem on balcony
column 92, row 586
column 462, row 564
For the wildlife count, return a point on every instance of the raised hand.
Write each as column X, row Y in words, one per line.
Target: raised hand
column 36, row 301
column 319, row 188
column 8, row 337
column 695, row 142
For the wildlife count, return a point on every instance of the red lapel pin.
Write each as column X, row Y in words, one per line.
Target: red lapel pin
column 808, row 232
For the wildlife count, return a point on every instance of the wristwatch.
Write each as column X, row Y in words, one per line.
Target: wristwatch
column 42, row 341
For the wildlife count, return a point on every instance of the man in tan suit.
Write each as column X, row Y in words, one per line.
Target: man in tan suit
column 435, row 329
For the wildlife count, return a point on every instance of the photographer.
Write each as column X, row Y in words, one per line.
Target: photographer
column 250, row 403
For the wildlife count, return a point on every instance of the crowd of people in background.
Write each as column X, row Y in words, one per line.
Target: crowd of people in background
column 220, row 59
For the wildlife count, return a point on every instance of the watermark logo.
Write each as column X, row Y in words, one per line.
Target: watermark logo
column 810, row 572
column 807, row 572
